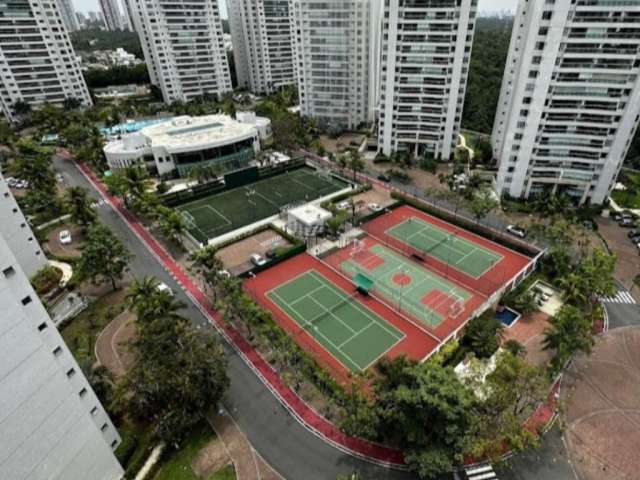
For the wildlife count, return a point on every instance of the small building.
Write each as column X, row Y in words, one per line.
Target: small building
column 181, row 144
column 307, row 220
column 262, row 124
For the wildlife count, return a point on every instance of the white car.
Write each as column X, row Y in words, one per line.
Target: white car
column 257, row 259
column 374, row 207
column 163, row 287
column 65, row 237
column 516, row 231
column 343, row 205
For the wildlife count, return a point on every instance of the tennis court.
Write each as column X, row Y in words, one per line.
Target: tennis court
column 447, row 246
column 402, row 283
column 220, row 213
column 354, row 334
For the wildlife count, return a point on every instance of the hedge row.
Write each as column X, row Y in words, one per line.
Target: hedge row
column 509, row 242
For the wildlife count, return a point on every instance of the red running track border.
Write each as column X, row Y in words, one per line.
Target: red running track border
column 304, row 413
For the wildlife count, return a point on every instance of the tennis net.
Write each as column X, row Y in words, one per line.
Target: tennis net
column 329, row 311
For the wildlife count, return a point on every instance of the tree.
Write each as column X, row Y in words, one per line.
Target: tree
column 104, row 257
column 152, row 304
column 172, row 224
column 356, row 164
column 78, row 203
column 484, row 151
column 482, row 204
column 427, row 412
column 177, row 377
column 210, row 267
column 482, row 334
column 509, row 395
column 71, row 103
column 22, row 108
column 570, row 332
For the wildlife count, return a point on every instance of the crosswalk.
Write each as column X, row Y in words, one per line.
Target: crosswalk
column 481, row 472
column 620, row 297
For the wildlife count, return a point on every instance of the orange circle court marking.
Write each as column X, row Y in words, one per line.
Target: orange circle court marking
column 401, row 279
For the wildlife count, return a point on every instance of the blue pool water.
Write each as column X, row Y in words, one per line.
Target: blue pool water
column 131, row 127
column 507, row 316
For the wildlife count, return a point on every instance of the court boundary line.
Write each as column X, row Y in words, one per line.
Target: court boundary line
column 454, row 234
column 358, row 305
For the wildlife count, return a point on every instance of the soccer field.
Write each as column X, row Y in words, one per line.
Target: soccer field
column 406, row 286
column 446, row 246
column 355, row 335
column 220, row 213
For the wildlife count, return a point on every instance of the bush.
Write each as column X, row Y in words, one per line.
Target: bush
column 127, row 447
column 429, row 165
column 46, row 279
column 399, row 175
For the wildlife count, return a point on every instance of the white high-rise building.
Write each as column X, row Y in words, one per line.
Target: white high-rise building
column 68, row 15
column 426, row 48
column 336, row 52
column 37, row 61
column 262, row 44
column 570, row 99
column 52, row 425
column 183, row 46
column 111, row 11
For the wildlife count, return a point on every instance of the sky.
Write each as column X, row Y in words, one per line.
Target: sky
column 484, row 6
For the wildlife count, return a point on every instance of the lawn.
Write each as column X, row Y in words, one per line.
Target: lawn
column 177, row 466
column 81, row 332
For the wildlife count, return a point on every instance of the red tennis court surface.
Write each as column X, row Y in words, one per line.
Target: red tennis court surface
column 509, row 269
column 416, row 344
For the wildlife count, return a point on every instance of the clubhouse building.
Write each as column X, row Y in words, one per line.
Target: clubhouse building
column 176, row 146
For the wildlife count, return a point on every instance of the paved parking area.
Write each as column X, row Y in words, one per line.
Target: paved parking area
column 628, row 265
column 235, row 257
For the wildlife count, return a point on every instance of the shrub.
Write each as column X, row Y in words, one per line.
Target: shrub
column 46, row 279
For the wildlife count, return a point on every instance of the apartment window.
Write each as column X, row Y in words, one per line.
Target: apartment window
column 57, row 351
column 94, row 411
column 104, row 427
column 8, row 272
column 114, row 444
column 83, row 393
column 71, row 373
column 26, row 300
column 42, row 326
column 547, row 15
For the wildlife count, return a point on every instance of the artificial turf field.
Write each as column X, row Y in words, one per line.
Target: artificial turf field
column 355, row 335
column 408, row 287
column 446, row 246
column 220, row 213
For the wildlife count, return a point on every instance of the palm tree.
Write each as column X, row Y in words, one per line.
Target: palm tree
column 78, row 204
column 150, row 303
column 140, row 291
column 136, row 179
column 356, row 164
column 172, row 225
column 207, row 264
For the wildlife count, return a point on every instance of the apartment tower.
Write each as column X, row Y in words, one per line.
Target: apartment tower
column 336, row 52
column 68, row 15
column 262, row 44
column 111, row 13
column 426, row 47
column 183, row 46
column 37, row 62
column 570, row 99
column 52, row 425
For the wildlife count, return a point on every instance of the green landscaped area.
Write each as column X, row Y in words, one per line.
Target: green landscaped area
column 351, row 332
column 456, row 251
column 223, row 212
column 408, row 287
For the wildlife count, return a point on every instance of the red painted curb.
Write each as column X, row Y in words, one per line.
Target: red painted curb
column 305, row 414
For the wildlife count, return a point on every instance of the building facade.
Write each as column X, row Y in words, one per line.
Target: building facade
column 183, row 46
column 263, row 44
column 68, row 15
column 111, row 12
column 52, row 425
column 37, row 61
column 181, row 144
column 336, row 49
column 426, row 48
column 570, row 99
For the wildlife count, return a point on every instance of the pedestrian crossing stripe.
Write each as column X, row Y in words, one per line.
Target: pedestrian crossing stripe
column 620, row 297
column 482, row 472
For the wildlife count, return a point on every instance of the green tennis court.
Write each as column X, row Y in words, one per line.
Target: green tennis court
column 408, row 287
column 352, row 333
column 220, row 213
column 446, row 246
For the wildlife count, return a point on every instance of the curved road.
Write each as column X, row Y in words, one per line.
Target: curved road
column 286, row 445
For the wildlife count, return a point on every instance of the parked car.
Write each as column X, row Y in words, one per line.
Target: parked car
column 374, row 207
column 343, row 205
column 257, row 259
column 633, row 233
column 163, row 287
column 65, row 237
column 635, row 238
column 616, row 216
column 383, row 177
column 516, row 231
column 627, row 223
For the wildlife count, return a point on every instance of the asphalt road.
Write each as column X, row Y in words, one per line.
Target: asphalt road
column 286, row 445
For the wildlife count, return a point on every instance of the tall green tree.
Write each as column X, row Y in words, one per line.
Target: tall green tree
column 570, row 332
column 483, row 334
column 104, row 257
column 207, row 264
column 178, row 377
column 78, row 203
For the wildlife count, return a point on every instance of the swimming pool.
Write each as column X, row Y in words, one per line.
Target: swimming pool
column 130, row 127
column 507, row 316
